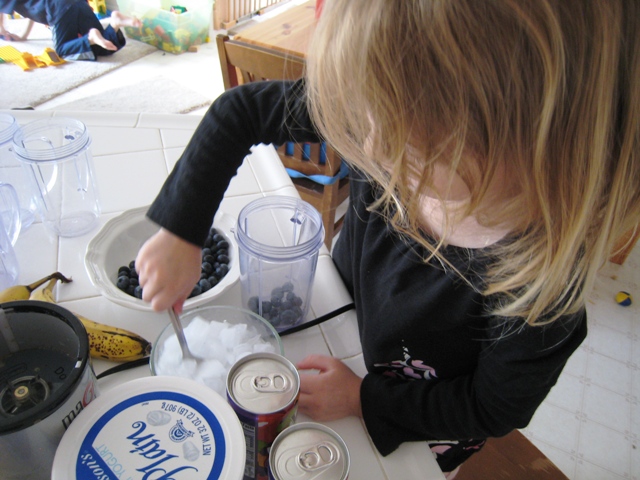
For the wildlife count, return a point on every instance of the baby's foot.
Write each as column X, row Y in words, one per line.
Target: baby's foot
column 96, row 38
column 119, row 19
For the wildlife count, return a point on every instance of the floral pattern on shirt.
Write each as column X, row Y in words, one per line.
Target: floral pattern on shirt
column 408, row 368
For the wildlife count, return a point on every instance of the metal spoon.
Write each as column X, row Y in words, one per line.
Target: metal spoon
column 177, row 326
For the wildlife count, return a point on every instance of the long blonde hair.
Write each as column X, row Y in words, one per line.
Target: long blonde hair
column 548, row 91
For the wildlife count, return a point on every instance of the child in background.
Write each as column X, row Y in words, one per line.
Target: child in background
column 77, row 32
column 494, row 152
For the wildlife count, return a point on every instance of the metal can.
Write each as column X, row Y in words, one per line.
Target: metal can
column 309, row 451
column 263, row 389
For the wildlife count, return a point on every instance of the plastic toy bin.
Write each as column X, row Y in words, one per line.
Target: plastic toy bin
column 169, row 31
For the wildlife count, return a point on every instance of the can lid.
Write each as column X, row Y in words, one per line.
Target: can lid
column 306, row 451
column 153, row 426
column 263, row 383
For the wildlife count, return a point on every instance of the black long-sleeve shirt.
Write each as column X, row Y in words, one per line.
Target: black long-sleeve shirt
column 440, row 366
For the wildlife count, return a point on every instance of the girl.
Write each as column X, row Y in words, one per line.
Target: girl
column 494, row 155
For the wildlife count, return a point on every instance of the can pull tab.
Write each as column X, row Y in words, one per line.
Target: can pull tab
column 272, row 383
column 320, row 456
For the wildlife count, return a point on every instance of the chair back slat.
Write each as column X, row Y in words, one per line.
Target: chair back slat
column 242, row 63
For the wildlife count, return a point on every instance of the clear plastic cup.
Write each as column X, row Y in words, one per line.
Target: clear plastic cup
column 10, row 226
column 57, row 157
column 11, row 170
column 278, row 243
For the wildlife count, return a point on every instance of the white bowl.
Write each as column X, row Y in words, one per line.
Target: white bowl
column 118, row 243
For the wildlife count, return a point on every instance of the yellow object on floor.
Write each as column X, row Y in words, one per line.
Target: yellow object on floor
column 50, row 57
column 27, row 61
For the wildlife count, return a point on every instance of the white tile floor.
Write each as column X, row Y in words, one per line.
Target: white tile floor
column 590, row 423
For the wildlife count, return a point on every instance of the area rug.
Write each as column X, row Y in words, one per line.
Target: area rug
column 154, row 95
column 31, row 88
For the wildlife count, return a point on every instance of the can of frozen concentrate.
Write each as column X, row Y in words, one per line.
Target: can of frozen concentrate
column 153, row 428
column 263, row 389
column 46, row 380
column 309, row 451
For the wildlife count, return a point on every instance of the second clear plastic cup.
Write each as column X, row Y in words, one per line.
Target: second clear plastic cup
column 57, row 157
column 11, row 170
column 10, row 226
column 278, row 242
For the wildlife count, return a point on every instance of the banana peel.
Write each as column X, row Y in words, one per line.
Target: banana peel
column 105, row 342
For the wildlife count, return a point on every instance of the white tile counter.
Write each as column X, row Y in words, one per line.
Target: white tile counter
column 133, row 155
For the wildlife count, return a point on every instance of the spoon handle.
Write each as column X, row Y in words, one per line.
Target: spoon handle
column 177, row 326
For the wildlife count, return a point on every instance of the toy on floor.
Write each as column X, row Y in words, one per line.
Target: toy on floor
column 27, row 61
column 623, row 298
column 99, row 7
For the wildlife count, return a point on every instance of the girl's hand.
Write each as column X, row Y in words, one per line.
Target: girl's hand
column 331, row 394
column 168, row 268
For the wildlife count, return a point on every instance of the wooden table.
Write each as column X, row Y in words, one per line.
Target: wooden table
column 288, row 31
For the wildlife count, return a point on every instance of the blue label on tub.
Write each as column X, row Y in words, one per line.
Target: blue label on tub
column 154, row 436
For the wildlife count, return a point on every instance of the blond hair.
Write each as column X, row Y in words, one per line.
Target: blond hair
column 546, row 90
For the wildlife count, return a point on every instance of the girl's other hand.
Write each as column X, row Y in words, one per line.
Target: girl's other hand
column 331, row 394
column 168, row 268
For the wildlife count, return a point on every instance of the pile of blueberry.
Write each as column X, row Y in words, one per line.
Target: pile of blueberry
column 282, row 310
column 215, row 265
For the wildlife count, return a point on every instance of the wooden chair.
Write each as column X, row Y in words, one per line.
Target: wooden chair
column 243, row 63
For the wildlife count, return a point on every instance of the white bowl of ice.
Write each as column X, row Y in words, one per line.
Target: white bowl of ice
column 218, row 336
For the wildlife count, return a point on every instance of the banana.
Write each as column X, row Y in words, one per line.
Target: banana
column 22, row 292
column 105, row 342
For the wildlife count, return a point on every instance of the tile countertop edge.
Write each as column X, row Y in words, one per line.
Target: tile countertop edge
column 114, row 119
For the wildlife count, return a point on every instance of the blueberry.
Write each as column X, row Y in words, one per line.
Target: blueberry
column 297, row 301
column 138, row 292
column 204, row 285
column 196, row 291
column 266, row 307
column 287, row 305
column 133, row 273
column 208, row 242
column 218, row 238
column 276, row 301
column 288, row 317
column 287, row 287
column 277, row 292
column 213, row 281
column 123, row 283
column 290, row 296
column 124, row 270
column 222, row 270
column 207, row 267
column 222, row 244
column 254, row 304
column 206, row 251
column 209, row 259
column 132, row 264
column 222, row 258
column 131, row 290
column 134, row 281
